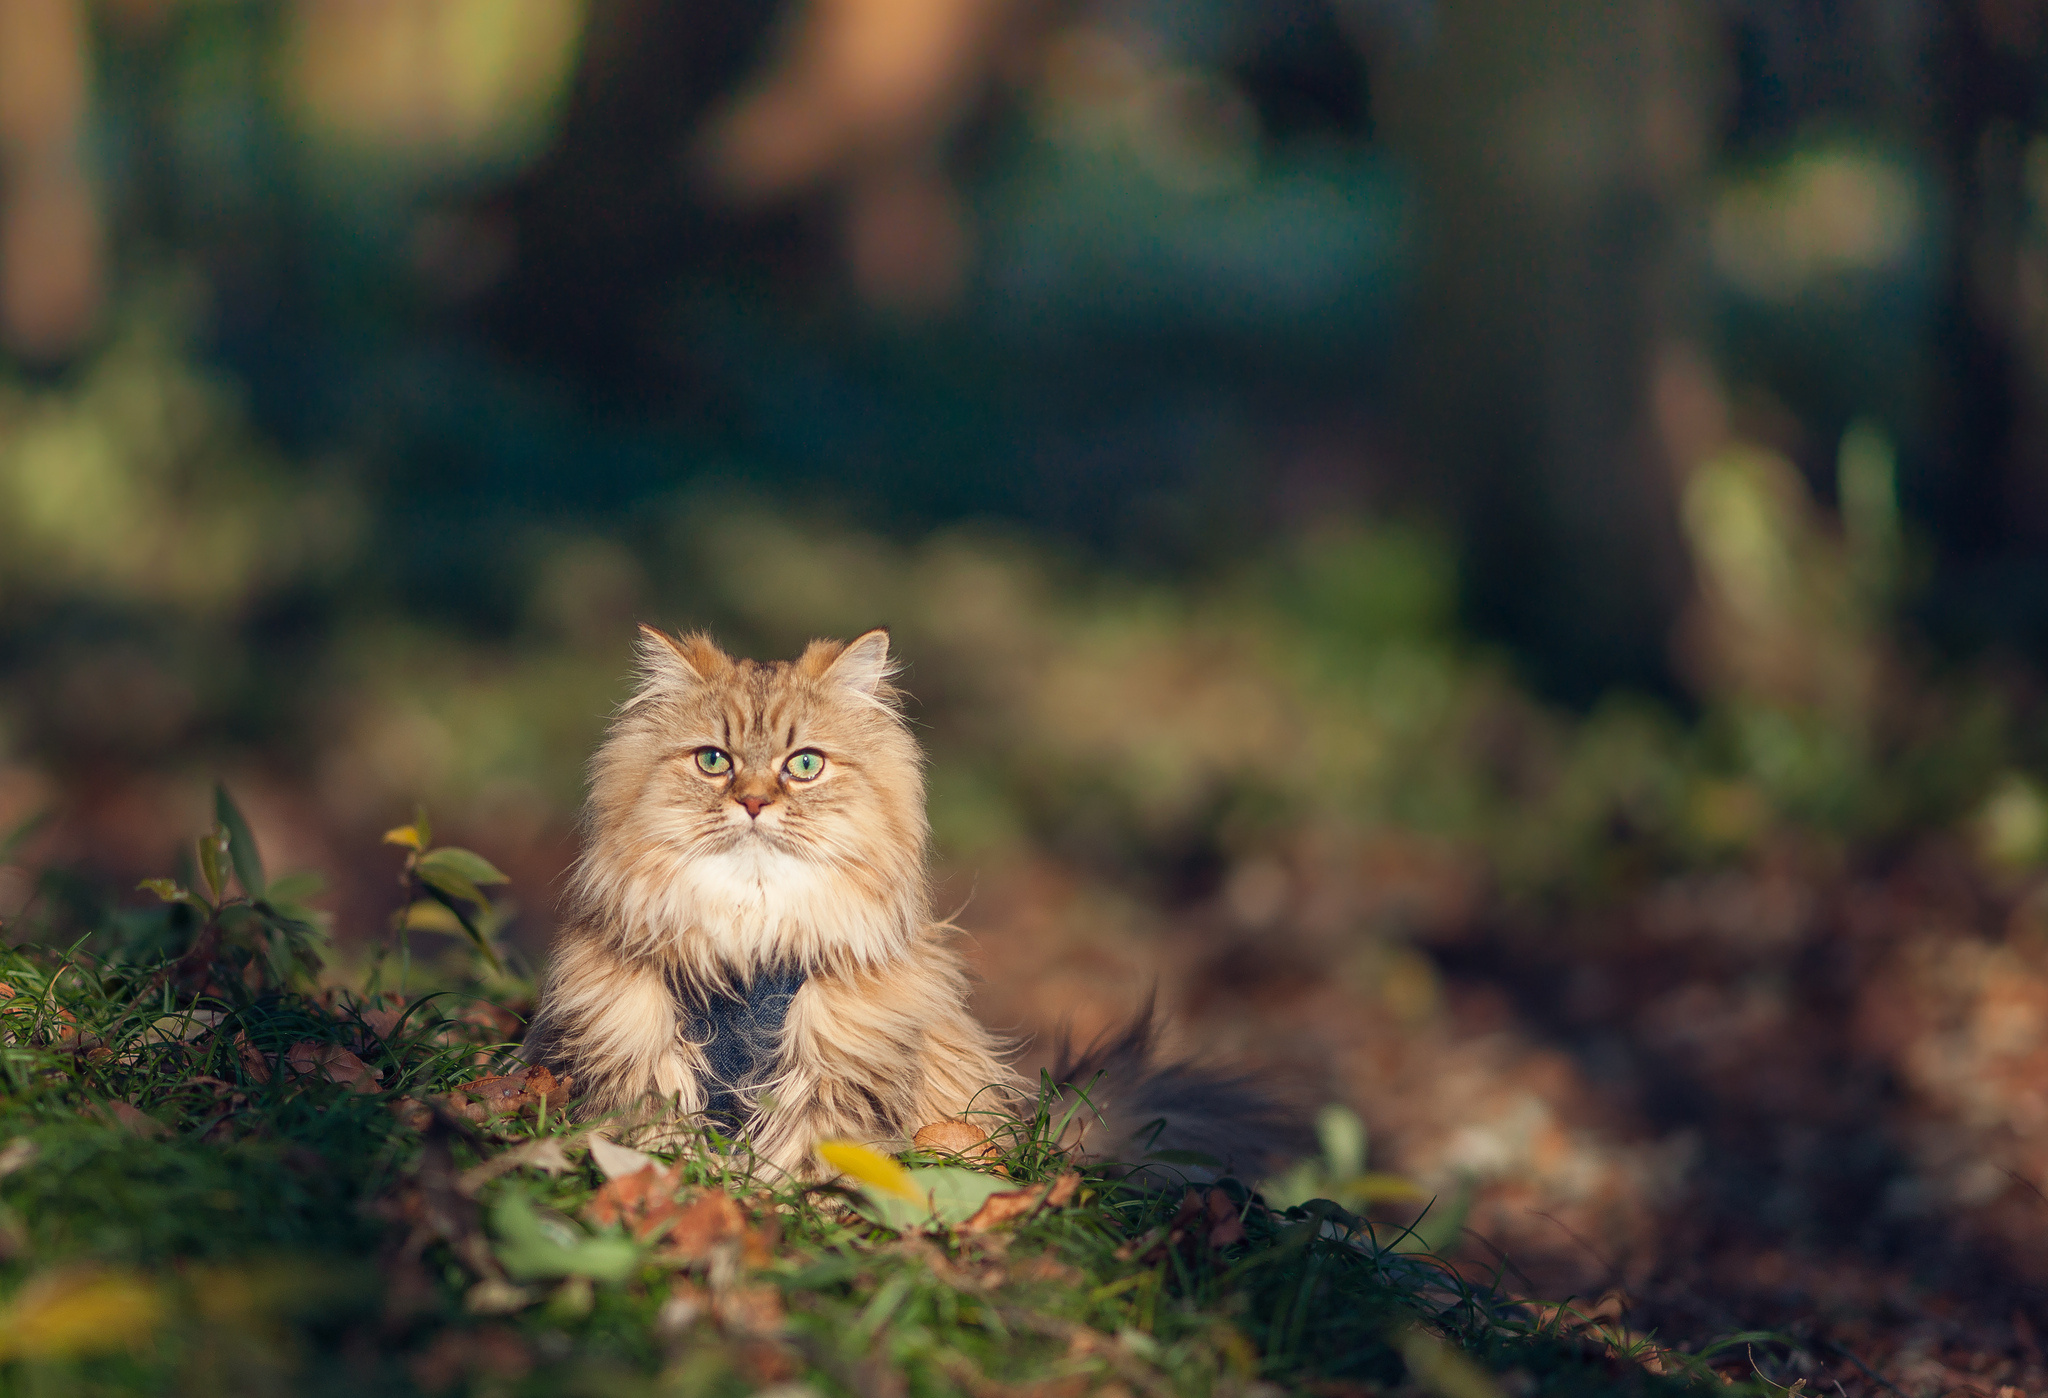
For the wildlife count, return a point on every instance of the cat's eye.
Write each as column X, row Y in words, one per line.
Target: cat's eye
column 713, row 762
column 805, row 766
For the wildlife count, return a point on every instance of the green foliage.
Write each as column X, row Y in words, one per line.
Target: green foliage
column 451, row 879
column 249, row 1187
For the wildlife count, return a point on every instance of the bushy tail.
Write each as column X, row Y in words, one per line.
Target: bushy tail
column 1167, row 1121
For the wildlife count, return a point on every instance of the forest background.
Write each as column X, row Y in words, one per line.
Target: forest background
column 1496, row 551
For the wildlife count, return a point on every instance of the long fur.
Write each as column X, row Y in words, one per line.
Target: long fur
column 1121, row 1100
column 683, row 891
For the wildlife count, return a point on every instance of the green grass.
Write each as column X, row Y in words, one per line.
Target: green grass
column 218, row 1176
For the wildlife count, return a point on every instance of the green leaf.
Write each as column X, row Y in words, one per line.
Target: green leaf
column 532, row 1245
column 212, row 845
column 297, row 887
column 476, row 933
column 469, row 865
column 443, row 880
column 1342, row 1136
column 945, row 1194
column 427, row 915
column 241, row 844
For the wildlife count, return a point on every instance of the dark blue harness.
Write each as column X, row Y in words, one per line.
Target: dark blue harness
column 740, row 1035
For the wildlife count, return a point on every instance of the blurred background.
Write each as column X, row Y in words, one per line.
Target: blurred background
column 1497, row 550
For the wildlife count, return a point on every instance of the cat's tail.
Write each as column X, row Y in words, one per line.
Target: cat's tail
column 1165, row 1120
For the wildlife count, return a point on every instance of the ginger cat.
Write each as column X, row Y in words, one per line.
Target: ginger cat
column 749, row 931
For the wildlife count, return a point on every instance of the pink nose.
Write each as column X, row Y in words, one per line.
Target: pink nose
column 755, row 803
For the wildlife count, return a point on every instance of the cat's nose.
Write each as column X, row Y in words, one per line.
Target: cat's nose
column 754, row 804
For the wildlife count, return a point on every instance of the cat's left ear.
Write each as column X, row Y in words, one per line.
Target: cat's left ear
column 863, row 666
column 675, row 665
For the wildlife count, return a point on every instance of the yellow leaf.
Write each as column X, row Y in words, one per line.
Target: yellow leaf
column 407, row 835
column 79, row 1310
column 429, row 916
column 871, row 1168
column 1379, row 1187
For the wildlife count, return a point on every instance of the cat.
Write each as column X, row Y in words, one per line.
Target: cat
column 749, row 938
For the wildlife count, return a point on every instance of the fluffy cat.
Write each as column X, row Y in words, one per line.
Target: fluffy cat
column 749, row 932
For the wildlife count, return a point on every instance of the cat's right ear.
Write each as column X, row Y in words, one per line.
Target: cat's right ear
column 675, row 665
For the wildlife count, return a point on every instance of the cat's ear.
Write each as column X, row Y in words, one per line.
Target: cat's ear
column 863, row 666
column 676, row 664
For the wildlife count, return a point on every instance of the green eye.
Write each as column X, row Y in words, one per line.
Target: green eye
column 713, row 763
column 805, row 765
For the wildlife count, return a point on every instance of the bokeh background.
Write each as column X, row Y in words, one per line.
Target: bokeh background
column 1494, row 550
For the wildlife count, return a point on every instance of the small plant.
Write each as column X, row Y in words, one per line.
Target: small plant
column 445, row 893
column 1341, row 1178
column 283, row 939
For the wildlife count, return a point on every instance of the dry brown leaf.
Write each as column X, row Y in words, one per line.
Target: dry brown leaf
column 706, row 1222
column 515, row 1094
column 382, row 1023
column 955, row 1136
column 615, row 1161
column 749, row 1310
column 253, row 1061
column 643, row 1203
column 332, row 1062
column 1014, row 1204
column 1226, row 1226
column 546, row 1155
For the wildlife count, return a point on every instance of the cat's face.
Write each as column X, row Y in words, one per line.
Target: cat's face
column 759, row 812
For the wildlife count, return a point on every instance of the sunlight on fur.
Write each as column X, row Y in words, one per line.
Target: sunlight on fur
column 749, row 937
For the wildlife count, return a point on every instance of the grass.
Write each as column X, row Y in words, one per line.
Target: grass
column 217, row 1175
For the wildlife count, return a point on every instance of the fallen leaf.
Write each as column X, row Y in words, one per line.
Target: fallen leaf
column 749, row 1310
column 334, row 1063
column 513, row 1094
column 704, row 1224
column 955, row 1136
column 79, row 1310
column 614, row 1160
column 253, row 1061
column 495, row 1020
column 873, row 1169
column 1013, row 1204
column 547, row 1156
column 641, row 1202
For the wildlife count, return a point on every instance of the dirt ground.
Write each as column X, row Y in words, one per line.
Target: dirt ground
column 1795, row 1096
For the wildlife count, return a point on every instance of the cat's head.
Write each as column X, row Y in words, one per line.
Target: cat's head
column 746, row 814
